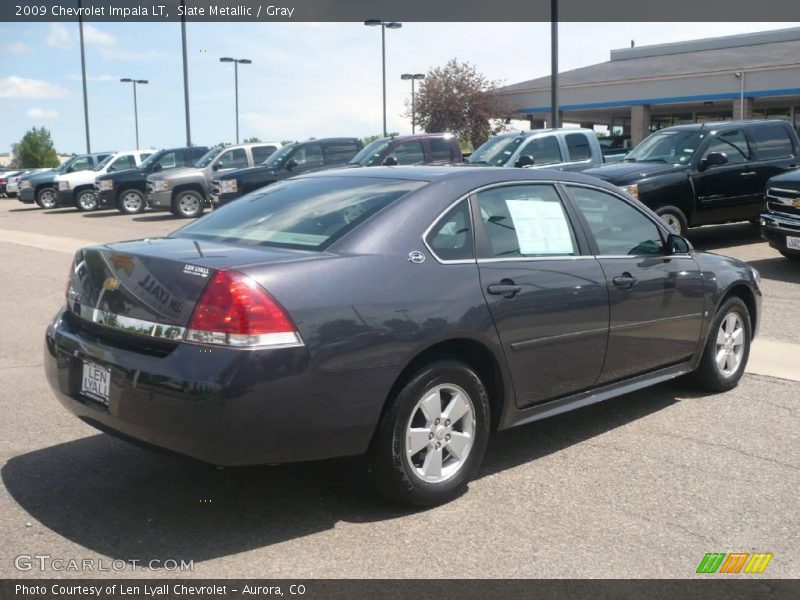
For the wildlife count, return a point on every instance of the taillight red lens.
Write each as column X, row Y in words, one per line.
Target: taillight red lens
column 234, row 310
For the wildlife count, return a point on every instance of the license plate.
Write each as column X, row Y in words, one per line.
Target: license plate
column 96, row 382
column 792, row 242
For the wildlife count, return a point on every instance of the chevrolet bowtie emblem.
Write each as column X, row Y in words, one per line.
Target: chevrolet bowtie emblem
column 111, row 284
column 796, row 203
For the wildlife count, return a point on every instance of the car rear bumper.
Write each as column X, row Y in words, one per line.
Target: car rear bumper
column 222, row 406
column 775, row 228
column 159, row 200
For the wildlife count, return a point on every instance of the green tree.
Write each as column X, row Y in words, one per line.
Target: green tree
column 458, row 99
column 371, row 138
column 36, row 150
column 251, row 140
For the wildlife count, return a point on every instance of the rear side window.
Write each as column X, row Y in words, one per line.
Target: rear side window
column 451, row 236
column 262, row 153
column 544, row 150
column 338, row 153
column 440, row 149
column 525, row 220
column 578, row 146
column 771, row 141
column 302, row 213
column 408, row 153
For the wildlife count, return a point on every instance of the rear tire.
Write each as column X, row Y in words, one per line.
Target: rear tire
column 188, row 204
column 46, row 198
column 419, row 456
column 727, row 348
column 131, row 202
column 674, row 218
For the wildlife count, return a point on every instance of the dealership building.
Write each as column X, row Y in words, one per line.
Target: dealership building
column 641, row 89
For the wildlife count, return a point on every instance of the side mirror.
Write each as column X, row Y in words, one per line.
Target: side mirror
column 390, row 161
column 525, row 160
column 291, row 164
column 157, row 168
column 713, row 159
column 677, row 244
column 216, row 167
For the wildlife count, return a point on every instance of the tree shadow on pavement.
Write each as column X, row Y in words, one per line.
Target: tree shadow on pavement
column 128, row 503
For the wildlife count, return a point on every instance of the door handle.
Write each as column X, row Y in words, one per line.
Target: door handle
column 626, row 280
column 747, row 173
column 505, row 289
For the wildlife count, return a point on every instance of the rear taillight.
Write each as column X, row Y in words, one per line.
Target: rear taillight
column 235, row 311
column 69, row 280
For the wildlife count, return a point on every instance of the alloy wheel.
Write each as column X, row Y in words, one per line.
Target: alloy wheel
column 730, row 344
column 672, row 221
column 189, row 205
column 47, row 199
column 87, row 201
column 132, row 202
column 440, row 433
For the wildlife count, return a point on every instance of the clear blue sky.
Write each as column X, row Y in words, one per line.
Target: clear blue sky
column 307, row 79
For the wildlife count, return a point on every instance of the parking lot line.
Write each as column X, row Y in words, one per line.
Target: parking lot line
column 56, row 243
column 774, row 359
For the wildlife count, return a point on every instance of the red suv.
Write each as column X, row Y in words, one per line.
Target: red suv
column 422, row 149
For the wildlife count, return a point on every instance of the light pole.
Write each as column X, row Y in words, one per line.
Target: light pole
column 384, row 25
column 236, row 62
column 83, row 79
column 413, row 77
column 555, row 121
column 185, row 77
column 740, row 77
column 135, row 107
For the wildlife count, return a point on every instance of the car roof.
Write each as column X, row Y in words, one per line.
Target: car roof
column 716, row 125
column 480, row 175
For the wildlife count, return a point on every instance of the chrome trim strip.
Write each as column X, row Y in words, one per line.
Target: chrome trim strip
column 535, row 258
column 791, row 224
column 614, row 328
column 774, row 189
column 555, row 338
column 135, row 326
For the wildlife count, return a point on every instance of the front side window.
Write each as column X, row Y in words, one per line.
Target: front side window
column 525, row 220
column 408, row 153
column 543, row 150
column 618, row 228
column 204, row 160
column 733, row 144
column 673, row 146
column 308, row 156
column 451, row 237
column 578, row 146
column 167, row 161
column 233, row 159
column 772, row 141
column 371, row 153
column 126, row 161
column 306, row 214
column 80, row 164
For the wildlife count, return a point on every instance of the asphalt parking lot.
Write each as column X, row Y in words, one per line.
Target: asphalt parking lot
column 640, row 486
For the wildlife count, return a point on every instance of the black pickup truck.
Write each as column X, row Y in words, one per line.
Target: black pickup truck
column 290, row 160
column 125, row 190
column 706, row 173
column 780, row 221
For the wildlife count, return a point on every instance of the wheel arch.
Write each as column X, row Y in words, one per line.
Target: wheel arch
column 742, row 290
column 183, row 187
column 474, row 354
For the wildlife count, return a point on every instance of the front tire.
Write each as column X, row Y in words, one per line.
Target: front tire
column 46, row 198
column 727, row 348
column 432, row 438
column 86, row 201
column 188, row 204
column 131, row 202
column 674, row 218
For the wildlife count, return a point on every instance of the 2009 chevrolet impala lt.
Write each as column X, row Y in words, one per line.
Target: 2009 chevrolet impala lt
column 402, row 313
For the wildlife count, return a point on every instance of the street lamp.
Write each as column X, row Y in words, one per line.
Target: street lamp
column 236, row 62
column 135, row 107
column 384, row 25
column 413, row 77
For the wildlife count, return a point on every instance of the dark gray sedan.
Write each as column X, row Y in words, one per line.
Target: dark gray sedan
column 402, row 313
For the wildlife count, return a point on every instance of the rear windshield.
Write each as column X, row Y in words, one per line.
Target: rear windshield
column 303, row 213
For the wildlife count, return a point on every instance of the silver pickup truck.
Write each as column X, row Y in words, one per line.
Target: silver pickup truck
column 185, row 192
column 562, row 149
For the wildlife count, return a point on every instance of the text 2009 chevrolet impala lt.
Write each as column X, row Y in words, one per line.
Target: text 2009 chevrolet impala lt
column 403, row 313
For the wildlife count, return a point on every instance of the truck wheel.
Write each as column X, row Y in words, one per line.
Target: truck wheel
column 674, row 218
column 188, row 204
column 432, row 437
column 86, row 201
column 46, row 197
column 131, row 202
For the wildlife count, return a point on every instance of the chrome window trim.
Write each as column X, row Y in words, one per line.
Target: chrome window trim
column 538, row 258
column 796, row 192
column 456, row 261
